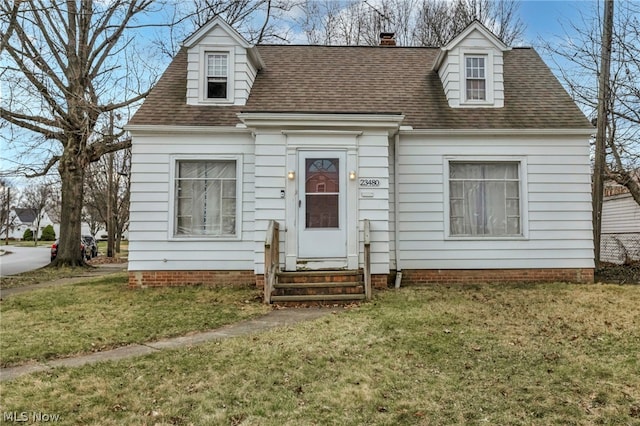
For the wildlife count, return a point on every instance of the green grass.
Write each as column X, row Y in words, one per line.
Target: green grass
column 47, row 273
column 104, row 314
column 492, row 354
column 124, row 248
column 43, row 274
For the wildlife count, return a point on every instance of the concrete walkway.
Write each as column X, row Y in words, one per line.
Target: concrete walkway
column 273, row 319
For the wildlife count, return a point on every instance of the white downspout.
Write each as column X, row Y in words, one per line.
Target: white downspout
column 396, row 202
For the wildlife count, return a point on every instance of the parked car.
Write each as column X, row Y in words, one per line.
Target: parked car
column 91, row 245
column 54, row 250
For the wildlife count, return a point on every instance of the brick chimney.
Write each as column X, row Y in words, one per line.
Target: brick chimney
column 387, row 39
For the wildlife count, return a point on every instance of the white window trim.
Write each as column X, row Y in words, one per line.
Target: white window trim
column 489, row 77
column 173, row 205
column 524, row 196
column 202, row 74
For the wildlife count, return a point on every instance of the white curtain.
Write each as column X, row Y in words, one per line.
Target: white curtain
column 484, row 199
column 206, row 198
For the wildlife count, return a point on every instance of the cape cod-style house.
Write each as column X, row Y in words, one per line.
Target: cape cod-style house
column 316, row 164
column 20, row 219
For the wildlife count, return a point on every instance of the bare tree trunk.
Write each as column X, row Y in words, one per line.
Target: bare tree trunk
column 72, row 175
column 603, row 102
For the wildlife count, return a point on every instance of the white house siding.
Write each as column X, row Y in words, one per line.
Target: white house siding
column 449, row 73
column 373, row 203
column 270, row 179
column 620, row 229
column 244, row 72
column 152, row 246
column 557, row 210
column 392, row 205
column 620, row 213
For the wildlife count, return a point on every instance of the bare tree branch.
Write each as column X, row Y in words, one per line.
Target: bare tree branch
column 64, row 71
column 45, row 170
column 12, row 19
column 97, row 150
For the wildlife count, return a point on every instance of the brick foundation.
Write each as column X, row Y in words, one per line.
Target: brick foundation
column 143, row 279
column 379, row 280
column 474, row 276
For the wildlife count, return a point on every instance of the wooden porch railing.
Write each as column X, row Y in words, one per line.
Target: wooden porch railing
column 271, row 258
column 367, row 259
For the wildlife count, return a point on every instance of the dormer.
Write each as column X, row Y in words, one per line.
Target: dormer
column 471, row 68
column 222, row 65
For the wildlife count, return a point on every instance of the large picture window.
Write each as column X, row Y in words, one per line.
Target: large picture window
column 484, row 199
column 205, row 198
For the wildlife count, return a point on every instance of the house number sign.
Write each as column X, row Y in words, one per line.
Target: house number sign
column 369, row 183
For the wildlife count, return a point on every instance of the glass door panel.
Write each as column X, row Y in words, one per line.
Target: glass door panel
column 322, row 192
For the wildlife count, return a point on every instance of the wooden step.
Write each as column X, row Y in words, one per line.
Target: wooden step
column 316, row 289
column 308, row 277
column 317, row 297
column 319, row 285
column 320, row 273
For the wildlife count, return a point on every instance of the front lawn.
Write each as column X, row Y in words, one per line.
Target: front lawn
column 46, row 274
column 487, row 354
column 103, row 314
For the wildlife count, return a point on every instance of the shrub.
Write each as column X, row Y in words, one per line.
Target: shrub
column 28, row 235
column 48, row 234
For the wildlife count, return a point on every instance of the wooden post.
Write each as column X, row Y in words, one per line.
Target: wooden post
column 271, row 258
column 267, row 262
column 367, row 259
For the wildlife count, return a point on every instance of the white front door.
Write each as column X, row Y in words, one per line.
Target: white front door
column 322, row 218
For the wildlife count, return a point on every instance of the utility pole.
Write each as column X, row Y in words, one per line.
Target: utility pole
column 110, row 230
column 6, row 231
column 601, row 132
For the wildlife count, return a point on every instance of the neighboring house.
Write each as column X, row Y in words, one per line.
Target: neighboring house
column 85, row 228
column 470, row 161
column 25, row 218
column 620, row 239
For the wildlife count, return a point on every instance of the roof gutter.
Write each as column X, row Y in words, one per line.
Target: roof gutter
column 581, row 131
column 389, row 122
column 255, row 56
column 441, row 55
column 171, row 129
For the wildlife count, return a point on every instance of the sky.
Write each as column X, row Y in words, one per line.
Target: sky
column 545, row 21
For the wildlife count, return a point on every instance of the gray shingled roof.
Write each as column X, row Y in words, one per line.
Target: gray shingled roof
column 26, row 215
column 362, row 79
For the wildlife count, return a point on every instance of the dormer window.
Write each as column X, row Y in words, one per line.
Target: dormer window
column 471, row 68
column 217, row 75
column 221, row 65
column 475, row 75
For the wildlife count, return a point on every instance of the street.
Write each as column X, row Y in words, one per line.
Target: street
column 23, row 259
